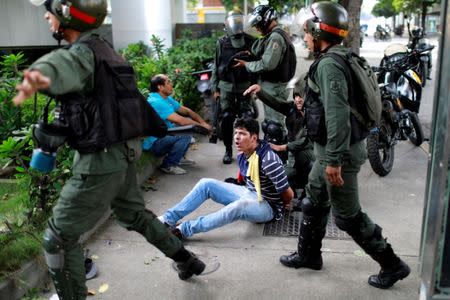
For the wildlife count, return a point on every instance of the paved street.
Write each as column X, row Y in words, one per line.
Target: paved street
column 249, row 267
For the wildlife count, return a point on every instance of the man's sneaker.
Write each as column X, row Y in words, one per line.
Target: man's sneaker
column 388, row 276
column 192, row 266
column 186, row 162
column 174, row 170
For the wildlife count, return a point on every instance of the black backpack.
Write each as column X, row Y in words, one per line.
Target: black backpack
column 116, row 111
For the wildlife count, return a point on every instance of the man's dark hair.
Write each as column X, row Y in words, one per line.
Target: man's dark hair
column 249, row 124
column 156, row 80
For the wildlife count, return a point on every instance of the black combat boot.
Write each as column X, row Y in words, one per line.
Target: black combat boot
column 392, row 270
column 188, row 264
column 309, row 244
column 228, row 157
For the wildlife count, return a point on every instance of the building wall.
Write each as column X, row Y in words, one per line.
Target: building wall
column 23, row 25
column 137, row 20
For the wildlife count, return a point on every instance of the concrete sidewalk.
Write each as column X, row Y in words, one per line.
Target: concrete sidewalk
column 249, row 267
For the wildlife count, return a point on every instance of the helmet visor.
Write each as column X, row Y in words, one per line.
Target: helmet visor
column 310, row 26
column 254, row 19
column 234, row 24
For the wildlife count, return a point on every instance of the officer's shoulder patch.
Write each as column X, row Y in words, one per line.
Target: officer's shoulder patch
column 335, row 86
column 275, row 46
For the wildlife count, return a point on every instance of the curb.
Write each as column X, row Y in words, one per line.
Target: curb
column 34, row 274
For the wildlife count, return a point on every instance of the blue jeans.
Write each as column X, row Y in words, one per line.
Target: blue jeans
column 239, row 204
column 174, row 146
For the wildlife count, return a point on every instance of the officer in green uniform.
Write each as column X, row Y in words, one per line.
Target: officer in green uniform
column 229, row 83
column 275, row 58
column 333, row 178
column 101, row 180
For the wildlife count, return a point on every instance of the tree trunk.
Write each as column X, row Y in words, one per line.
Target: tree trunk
column 354, row 11
column 424, row 16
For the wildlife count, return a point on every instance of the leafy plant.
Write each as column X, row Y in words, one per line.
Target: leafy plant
column 178, row 62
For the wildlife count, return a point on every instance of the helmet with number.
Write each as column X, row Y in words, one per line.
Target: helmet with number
column 234, row 23
column 329, row 22
column 80, row 15
column 262, row 16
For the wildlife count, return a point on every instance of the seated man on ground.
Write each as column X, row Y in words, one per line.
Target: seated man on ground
column 265, row 193
column 173, row 113
column 300, row 148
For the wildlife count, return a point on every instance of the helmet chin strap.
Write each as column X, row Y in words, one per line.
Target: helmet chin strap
column 58, row 35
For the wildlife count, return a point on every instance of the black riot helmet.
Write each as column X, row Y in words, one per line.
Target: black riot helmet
column 81, row 15
column 329, row 22
column 262, row 16
column 234, row 23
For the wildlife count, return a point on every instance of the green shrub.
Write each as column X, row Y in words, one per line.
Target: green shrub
column 178, row 62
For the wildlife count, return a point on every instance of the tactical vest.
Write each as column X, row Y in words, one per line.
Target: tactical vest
column 315, row 114
column 286, row 68
column 114, row 111
column 227, row 54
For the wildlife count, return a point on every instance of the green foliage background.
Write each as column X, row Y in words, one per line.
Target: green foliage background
column 178, row 62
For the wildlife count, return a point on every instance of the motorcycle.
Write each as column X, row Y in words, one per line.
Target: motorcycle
column 401, row 91
column 381, row 34
column 418, row 42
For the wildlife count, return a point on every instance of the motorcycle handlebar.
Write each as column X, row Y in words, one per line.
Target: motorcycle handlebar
column 429, row 48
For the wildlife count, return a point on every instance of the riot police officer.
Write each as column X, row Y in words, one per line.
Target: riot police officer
column 275, row 61
column 102, row 178
column 229, row 83
column 333, row 178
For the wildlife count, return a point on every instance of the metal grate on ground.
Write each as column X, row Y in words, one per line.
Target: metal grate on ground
column 289, row 226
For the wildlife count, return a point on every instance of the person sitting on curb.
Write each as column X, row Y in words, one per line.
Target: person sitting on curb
column 173, row 113
column 265, row 193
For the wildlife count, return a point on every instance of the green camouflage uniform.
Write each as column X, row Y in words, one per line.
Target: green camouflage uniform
column 270, row 49
column 100, row 181
column 332, row 87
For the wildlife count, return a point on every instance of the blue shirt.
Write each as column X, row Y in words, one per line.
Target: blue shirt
column 164, row 108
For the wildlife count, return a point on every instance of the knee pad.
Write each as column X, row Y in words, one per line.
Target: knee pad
column 310, row 209
column 54, row 249
column 274, row 132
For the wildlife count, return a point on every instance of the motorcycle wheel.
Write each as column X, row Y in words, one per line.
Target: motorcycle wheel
column 380, row 152
column 423, row 73
column 416, row 134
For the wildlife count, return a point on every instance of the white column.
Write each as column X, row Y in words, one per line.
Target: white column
column 137, row 20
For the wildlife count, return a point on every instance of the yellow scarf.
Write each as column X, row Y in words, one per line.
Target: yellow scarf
column 253, row 173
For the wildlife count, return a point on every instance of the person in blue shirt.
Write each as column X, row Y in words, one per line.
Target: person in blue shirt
column 173, row 114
